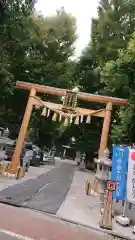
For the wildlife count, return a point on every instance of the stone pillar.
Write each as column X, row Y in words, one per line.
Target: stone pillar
column 53, row 151
column 82, row 164
column 51, row 158
column 78, row 158
column 1, row 131
column 64, row 153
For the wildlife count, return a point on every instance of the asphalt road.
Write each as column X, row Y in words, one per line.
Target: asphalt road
column 45, row 193
column 52, row 195
column 30, row 225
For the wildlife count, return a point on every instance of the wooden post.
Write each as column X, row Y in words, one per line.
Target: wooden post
column 105, row 129
column 22, row 133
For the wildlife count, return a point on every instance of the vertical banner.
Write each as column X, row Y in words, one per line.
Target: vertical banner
column 119, row 171
column 131, row 177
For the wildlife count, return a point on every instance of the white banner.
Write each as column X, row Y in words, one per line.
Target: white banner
column 131, row 177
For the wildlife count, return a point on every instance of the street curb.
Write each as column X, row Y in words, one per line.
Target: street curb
column 112, row 233
column 108, row 232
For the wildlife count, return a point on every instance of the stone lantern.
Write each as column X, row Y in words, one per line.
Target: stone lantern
column 5, row 133
column 103, row 175
column 53, row 151
column 82, row 164
column 51, row 157
column 1, row 131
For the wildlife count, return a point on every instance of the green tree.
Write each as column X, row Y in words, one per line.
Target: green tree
column 87, row 135
column 112, row 29
column 110, row 34
column 14, row 35
column 33, row 49
column 48, row 62
column 119, row 76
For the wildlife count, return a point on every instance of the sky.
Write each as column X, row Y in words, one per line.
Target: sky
column 83, row 10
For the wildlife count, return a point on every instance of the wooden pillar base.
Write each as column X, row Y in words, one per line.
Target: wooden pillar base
column 106, row 218
column 5, row 171
column 13, row 170
column 20, row 173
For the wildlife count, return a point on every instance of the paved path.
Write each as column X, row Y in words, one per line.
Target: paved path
column 50, row 193
column 85, row 209
column 51, row 196
column 45, row 193
column 33, row 173
column 31, row 225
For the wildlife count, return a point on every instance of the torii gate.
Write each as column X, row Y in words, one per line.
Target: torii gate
column 33, row 100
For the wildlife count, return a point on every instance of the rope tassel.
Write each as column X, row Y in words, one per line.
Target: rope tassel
column 88, row 119
column 44, row 112
column 54, row 118
column 60, row 117
column 66, row 122
column 81, row 118
column 48, row 114
column 71, row 119
column 76, row 120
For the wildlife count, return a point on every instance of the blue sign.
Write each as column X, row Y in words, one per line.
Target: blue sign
column 119, row 171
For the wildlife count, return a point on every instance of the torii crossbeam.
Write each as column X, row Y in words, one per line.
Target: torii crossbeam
column 34, row 100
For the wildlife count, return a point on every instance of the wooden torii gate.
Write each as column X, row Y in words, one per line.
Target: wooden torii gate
column 33, row 100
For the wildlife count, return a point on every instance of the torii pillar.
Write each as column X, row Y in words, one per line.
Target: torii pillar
column 105, row 129
column 23, row 131
column 103, row 144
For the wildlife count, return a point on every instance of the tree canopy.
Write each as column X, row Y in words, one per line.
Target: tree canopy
column 39, row 49
column 111, row 53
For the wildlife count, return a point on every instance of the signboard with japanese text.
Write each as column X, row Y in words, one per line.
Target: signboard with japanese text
column 119, row 171
column 131, row 177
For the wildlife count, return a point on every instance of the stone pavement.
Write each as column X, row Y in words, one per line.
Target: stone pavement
column 23, row 224
column 85, row 209
column 129, row 211
column 54, row 191
column 45, row 193
column 33, row 173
